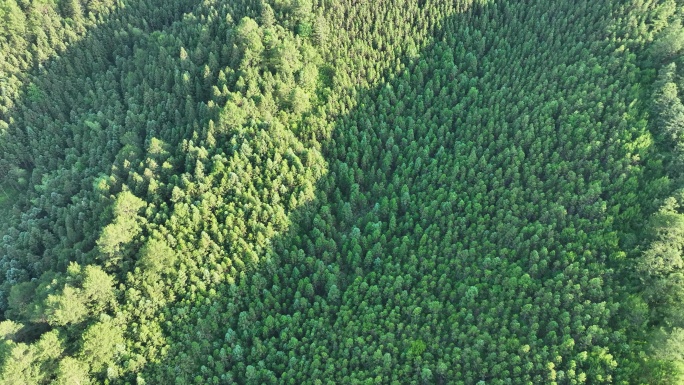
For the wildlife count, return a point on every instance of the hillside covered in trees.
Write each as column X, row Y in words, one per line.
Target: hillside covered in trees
column 341, row 192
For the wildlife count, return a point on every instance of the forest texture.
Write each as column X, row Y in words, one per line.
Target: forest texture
column 339, row 192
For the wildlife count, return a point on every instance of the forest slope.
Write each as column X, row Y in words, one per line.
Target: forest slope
column 322, row 192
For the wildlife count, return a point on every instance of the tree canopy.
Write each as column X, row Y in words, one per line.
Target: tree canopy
column 305, row 191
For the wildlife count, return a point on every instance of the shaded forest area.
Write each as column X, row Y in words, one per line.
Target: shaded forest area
column 300, row 191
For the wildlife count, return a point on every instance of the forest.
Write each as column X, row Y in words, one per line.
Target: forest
column 341, row 192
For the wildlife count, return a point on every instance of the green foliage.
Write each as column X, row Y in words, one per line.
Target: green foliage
column 34, row 94
column 417, row 348
column 12, row 19
column 72, row 372
column 115, row 239
column 30, row 364
column 157, row 257
column 127, row 205
column 98, row 288
column 266, row 192
column 669, row 42
column 101, row 343
column 660, row 266
column 65, row 308
column 72, row 9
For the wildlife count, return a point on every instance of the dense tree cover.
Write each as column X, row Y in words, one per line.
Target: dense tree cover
column 32, row 32
column 298, row 191
column 660, row 266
